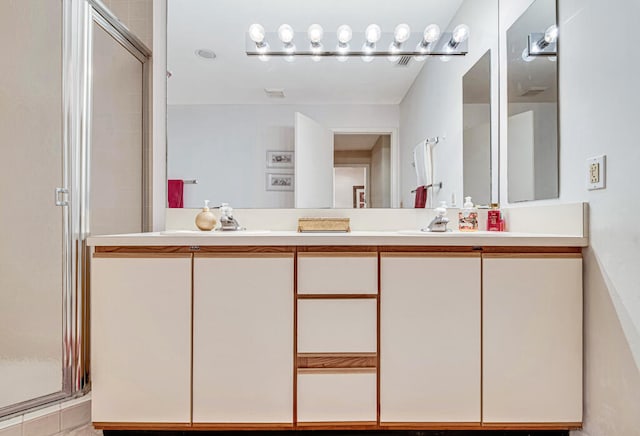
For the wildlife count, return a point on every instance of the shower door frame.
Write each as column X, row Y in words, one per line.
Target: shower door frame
column 78, row 17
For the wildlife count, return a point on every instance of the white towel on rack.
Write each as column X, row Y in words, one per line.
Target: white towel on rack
column 423, row 161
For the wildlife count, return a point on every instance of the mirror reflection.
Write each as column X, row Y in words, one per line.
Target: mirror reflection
column 532, row 76
column 260, row 131
column 476, row 111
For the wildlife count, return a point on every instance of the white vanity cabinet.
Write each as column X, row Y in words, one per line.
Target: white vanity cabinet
column 141, row 338
column 532, row 338
column 243, row 339
column 430, row 307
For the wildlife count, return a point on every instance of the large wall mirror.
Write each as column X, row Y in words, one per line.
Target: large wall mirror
column 269, row 131
column 532, row 89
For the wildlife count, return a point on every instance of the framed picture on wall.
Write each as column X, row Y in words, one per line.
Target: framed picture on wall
column 280, row 182
column 359, row 199
column 280, row 159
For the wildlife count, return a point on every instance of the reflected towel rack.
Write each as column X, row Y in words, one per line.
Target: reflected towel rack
column 435, row 185
column 190, row 182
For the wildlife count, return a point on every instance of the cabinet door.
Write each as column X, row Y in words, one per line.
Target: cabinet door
column 532, row 339
column 430, row 337
column 243, row 338
column 141, row 339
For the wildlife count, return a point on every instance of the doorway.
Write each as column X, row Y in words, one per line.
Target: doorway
column 362, row 170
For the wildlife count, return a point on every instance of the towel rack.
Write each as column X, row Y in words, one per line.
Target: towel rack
column 434, row 185
column 190, row 182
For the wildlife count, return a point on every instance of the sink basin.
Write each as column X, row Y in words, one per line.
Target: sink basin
column 214, row 233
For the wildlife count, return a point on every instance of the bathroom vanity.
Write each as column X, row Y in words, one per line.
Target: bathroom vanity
column 366, row 330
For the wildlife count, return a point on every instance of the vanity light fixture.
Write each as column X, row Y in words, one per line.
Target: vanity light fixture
column 257, row 35
column 344, row 35
column 372, row 35
column 286, row 34
column 542, row 44
column 373, row 42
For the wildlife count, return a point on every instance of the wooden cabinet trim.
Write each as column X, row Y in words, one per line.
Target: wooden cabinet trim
column 316, row 249
column 233, row 426
column 242, row 255
column 428, row 254
column 532, row 425
column 342, row 425
column 339, row 254
column 430, row 426
column 337, row 370
column 532, row 255
column 141, row 255
column 337, row 360
column 335, row 296
column 142, row 425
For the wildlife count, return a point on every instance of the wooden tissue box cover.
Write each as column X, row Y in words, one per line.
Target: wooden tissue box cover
column 323, row 225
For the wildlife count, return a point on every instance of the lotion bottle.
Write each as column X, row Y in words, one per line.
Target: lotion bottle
column 468, row 217
column 206, row 220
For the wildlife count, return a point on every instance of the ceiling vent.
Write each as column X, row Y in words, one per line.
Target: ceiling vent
column 403, row 61
column 533, row 91
column 274, row 92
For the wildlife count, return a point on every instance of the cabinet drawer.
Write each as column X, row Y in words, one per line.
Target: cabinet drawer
column 336, row 397
column 337, row 273
column 326, row 326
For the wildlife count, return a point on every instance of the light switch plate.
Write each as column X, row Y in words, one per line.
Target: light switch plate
column 596, row 171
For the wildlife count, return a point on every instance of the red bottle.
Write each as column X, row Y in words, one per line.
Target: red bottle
column 495, row 222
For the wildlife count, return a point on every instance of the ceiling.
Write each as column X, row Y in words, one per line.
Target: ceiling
column 353, row 142
column 235, row 78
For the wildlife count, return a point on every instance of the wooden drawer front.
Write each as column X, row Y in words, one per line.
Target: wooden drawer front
column 333, row 326
column 337, row 273
column 336, row 397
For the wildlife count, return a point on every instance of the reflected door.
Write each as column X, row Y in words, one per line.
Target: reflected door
column 116, row 138
column 314, row 163
column 31, row 225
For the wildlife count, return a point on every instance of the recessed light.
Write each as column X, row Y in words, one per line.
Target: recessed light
column 205, row 53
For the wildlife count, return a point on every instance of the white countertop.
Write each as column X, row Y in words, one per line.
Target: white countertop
column 406, row 237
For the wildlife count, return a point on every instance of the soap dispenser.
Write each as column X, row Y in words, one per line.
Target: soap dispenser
column 468, row 217
column 206, row 220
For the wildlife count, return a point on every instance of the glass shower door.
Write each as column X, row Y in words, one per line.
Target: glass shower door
column 32, row 236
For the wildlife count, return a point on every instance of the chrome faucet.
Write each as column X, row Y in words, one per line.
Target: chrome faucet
column 439, row 223
column 227, row 221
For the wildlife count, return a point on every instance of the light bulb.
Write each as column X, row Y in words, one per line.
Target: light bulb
column 344, row 34
column 343, row 48
column 285, row 33
column 290, row 58
column 316, row 48
column 431, row 33
column 419, row 58
column 316, row 58
column 368, row 47
column 551, row 34
column 373, row 33
column 256, row 33
column 264, row 58
column 315, row 33
column 289, row 47
column 342, row 58
column 401, row 33
column 367, row 59
column 262, row 47
column 460, row 33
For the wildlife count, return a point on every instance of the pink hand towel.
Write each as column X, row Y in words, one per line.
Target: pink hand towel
column 175, row 194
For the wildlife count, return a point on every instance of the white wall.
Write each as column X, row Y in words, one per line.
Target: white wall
column 224, row 146
column 433, row 105
column 598, row 115
column 345, row 178
column 380, row 189
column 477, row 152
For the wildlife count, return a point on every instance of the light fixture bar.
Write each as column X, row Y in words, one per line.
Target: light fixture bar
column 358, row 45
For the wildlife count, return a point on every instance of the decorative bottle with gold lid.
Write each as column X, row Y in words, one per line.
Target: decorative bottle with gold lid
column 206, row 220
